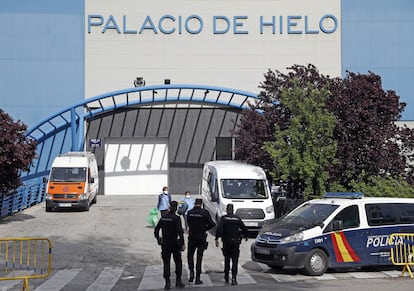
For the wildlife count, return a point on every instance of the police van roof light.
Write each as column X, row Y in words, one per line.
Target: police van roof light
column 348, row 195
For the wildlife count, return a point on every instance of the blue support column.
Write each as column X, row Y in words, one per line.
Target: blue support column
column 81, row 133
column 73, row 129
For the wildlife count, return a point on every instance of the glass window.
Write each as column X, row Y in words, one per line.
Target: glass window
column 349, row 217
column 244, row 189
column 406, row 213
column 309, row 215
column 381, row 214
column 68, row 175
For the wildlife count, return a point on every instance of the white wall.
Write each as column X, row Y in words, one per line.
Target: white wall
column 233, row 59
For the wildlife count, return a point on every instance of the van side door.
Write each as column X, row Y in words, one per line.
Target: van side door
column 346, row 244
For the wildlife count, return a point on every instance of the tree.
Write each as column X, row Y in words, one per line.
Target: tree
column 368, row 141
column 16, row 152
column 257, row 123
column 255, row 127
column 303, row 148
column 378, row 186
column 366, row 132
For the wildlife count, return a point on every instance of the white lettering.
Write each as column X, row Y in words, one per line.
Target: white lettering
column 377, row 241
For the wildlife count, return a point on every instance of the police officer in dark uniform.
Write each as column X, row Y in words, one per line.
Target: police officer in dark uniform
column 199, row 221
column 172, row 242
column 231, row 229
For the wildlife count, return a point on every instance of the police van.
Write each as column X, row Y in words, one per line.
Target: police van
column 339, row 230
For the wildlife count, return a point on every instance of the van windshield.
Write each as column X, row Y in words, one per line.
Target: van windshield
column 309, row 215
column 68, row 175
column 244, row 189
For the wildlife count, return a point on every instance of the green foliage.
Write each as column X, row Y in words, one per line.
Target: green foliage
column 276, row 133
column 304, row 148
column 378, row 186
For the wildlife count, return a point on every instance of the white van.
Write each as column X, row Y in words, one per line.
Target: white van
column 342, row 229
column 243, row 185
column 73, row 181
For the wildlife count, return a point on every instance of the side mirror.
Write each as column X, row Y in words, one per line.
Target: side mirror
column 92, row 180
column 45, row 180
column 337, row 225
column 214, row 197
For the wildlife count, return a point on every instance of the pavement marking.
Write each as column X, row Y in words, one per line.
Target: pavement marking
column 59, row 280
column 392, row 274
column 152, row 278
column 367, row 275
column 106, row 279
column 264, row 267
column 243, row 277
column 325, row 277
column 204, row 277
column 282, row 278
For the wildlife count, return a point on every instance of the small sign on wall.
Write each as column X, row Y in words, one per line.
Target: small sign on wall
column 95, row 143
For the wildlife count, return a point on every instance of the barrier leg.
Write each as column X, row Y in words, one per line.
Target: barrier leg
column 25, row 285
column 408, row 268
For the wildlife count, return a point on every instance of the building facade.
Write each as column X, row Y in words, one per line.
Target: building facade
column 57, row 54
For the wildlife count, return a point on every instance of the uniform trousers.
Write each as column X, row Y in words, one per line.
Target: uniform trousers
column 166, row 251
column 196, row 243
column 231, row 251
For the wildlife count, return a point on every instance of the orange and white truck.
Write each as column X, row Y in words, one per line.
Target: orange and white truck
column 73, row 181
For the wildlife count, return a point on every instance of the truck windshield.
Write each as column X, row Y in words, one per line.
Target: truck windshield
column 68, row 175
column 309, row 215
column 244, row 189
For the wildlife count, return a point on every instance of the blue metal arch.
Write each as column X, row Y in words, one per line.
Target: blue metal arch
column 74, row 116
column 53, row 132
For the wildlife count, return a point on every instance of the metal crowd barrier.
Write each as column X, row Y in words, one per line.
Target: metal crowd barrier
column 24, row 259
column 402, row 251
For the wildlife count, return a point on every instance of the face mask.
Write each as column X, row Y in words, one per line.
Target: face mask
column 187, row 196
column 165, row 192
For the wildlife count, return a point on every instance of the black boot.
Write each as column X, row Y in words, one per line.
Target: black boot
column 234, row 281
column 167, row 284
column 179, row 284
column 191, row 279
column 198, row 281
column 226, row 278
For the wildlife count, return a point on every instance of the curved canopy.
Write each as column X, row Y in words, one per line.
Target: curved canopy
column 64, row 130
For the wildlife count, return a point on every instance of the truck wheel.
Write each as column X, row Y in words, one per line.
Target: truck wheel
column 316, row 263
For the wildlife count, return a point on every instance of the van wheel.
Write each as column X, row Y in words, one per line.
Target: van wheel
column 316, row 263
column 87, row 207
column 94, row 199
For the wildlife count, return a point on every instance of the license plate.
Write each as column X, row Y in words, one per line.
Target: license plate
column 263, row 251
column 65, row 204
column 249, row 223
